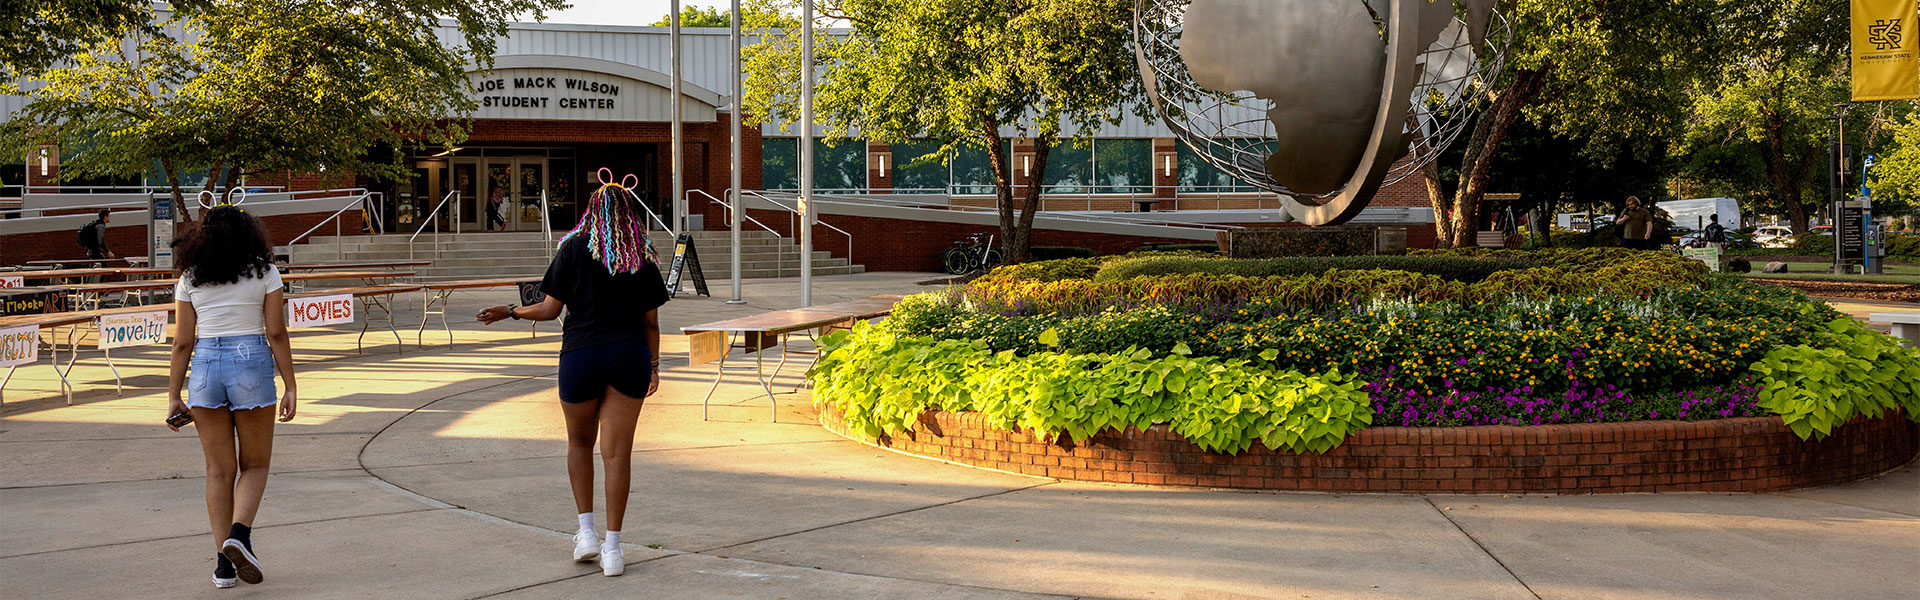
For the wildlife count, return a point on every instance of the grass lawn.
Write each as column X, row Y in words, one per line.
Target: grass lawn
column 1895, row 273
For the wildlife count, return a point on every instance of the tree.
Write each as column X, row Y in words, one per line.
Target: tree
column 247, row 86
column 35, row 34
column 1612, row 72
column 1785, row 71
column 963, row 74
column 751, row 11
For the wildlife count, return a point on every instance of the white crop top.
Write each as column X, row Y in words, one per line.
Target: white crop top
column 222, row 310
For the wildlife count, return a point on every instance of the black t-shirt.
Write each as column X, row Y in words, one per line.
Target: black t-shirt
column 602, row 308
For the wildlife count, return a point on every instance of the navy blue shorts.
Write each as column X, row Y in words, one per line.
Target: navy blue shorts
column 586, row 372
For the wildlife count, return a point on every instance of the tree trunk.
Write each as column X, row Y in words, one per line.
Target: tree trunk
column 173, row 184
column 1019, row 250
column 1476, row 168
column 1442, row 211
column 1780, row 175
column 1002, row 182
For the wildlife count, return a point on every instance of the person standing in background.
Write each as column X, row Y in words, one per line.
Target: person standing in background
column 1715, row 234
column 93, row 236
column 1635, row 225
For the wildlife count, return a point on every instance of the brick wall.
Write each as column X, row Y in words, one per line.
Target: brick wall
column 1755, row 454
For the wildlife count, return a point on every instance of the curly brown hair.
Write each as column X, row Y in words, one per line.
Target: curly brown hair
column 228, row 244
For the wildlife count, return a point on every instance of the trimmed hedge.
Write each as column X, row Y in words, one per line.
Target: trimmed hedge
column 1059, row 252
column 1451, row 268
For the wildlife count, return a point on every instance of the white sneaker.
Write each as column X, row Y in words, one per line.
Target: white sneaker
column 612, row 561
column 586, row 546
column 225, row 582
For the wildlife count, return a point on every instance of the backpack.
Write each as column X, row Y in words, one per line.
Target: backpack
column 89, row 239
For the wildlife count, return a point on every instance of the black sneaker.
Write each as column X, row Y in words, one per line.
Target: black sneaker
column 244, row 563
column 223, row 575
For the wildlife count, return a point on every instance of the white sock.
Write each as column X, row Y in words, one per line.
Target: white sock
column 613, row 539
column 586, row 522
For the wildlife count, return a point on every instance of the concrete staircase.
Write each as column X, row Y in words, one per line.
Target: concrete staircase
column 486, row 255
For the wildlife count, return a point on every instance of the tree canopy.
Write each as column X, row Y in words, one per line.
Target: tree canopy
column 261, row 85
column 959, row 74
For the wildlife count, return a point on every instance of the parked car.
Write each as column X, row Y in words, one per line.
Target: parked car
column 1773, row 236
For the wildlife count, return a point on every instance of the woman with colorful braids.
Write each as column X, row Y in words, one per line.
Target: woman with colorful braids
column 606, row 279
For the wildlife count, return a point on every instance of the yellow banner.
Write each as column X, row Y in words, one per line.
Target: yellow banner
column 1885, row 66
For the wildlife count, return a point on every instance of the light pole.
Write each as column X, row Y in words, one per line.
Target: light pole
column 806, row 152
column 679, row 191
column 734, row 184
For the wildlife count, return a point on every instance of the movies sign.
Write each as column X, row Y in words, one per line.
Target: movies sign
column 318, row 311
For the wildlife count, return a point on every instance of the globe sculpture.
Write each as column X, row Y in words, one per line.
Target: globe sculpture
column 1317, row 100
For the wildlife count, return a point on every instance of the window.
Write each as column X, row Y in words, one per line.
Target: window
column 779, row 163
column 1196, row 176
column 1069, row 169
column 1123, row 166
column 922, row 179
column 973, row 170
column 839, row 168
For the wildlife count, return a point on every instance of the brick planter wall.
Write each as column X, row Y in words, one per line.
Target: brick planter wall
column 1754, row 454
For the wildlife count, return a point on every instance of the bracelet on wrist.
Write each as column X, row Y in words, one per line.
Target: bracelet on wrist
column 510, row 313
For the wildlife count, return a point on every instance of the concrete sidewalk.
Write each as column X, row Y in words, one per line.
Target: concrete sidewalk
column 438, row 473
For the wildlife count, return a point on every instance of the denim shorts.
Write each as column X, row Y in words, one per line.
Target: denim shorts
column 235, row 373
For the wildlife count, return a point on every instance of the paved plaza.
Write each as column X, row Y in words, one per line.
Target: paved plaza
column 439, row 473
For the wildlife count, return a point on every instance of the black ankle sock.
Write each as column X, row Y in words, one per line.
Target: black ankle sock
column 222, row 567
column 242, row 533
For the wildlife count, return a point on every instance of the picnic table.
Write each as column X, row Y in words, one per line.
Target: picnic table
column 439, row 292
column 51, row 322
column 128, row 272
column 351, row 265
column 711, row 342
column 84, row 294
column 60, row 263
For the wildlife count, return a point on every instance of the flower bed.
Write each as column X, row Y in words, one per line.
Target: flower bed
column 1303, row 363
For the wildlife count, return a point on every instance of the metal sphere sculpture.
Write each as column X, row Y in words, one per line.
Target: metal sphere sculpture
column 1317, row 100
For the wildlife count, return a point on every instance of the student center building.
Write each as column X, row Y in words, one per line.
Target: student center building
column 562, row 101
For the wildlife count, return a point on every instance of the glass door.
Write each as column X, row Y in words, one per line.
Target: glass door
column 497, row 205
column 529, row 180
column 465, row 209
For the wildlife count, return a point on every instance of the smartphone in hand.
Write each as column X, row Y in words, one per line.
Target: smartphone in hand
column 180, row 420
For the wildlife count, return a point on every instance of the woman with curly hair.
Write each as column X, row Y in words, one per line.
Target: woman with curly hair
column 606, row 279
column 232, row 337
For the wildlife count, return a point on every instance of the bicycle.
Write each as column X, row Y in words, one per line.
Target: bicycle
column 977, row 252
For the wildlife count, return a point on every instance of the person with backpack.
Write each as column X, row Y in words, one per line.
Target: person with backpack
column 1715, row 233
column 93, row 237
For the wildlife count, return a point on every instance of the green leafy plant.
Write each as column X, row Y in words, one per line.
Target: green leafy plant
column 1849, row 371
column 882, row 382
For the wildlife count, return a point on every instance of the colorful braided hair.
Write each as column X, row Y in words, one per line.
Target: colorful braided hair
column 616, row 233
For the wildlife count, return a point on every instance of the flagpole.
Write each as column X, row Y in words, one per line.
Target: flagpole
column 738, row 206
column 806, row 153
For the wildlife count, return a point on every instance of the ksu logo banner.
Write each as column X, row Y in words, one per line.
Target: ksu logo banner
column 1885, row 34
column 1885, row 67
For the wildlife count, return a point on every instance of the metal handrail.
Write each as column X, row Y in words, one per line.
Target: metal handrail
column 429, row 221
column 1069, row 216
column 339, row 246
column 546, row 221
column 730, row 209
column 796, row 211
column 656, row 218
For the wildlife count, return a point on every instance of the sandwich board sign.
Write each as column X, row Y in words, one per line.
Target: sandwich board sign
column 686, row 261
